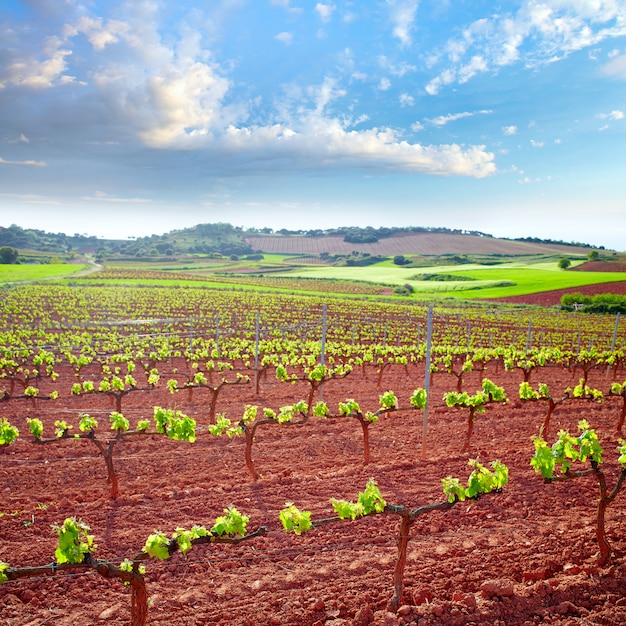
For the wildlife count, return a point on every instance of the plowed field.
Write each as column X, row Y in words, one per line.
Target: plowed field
column 525, row 556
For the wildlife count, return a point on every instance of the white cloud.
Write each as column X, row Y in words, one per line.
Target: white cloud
column 397, row 69
column 169, row 94
column 442, row 120
column 537, row 144
column 98, row 33
column 26, row 163
column 537, row 32
column 402, row 16
column 406, row 100
column 417, row 127
column 616, row 67
column 384, row 84
column 101, row 196
column 325, row 11
column 44, row 72
column 509, row 130
column 332, row 145
column 284, row 37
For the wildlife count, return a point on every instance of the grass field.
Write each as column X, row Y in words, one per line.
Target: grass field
column 19, row 273
column 476, row 281
column 488, row 282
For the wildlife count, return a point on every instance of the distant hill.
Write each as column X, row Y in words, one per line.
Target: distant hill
column 227, row 240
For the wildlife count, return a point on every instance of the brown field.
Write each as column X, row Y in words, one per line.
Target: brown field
column 520, row 558
column 409, row 243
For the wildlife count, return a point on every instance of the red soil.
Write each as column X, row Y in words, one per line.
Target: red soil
column 599, row 266
column 552, row 298
column 523, row 557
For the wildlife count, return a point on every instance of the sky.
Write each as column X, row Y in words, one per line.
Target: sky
column 126, row 119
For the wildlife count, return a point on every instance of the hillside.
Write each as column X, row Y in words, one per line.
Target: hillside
column 223, row 239
column 427, row 243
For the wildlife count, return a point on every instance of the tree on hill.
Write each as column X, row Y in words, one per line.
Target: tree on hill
column 564, row 263
column 8, row 255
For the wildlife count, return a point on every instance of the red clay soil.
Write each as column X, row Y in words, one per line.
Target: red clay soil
column 552, row 298
column 599, row 266
column 525, row 556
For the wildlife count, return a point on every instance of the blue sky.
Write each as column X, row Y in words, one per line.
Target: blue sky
column 122, row 119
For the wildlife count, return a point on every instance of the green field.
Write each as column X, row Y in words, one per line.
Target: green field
column 19, row 273
column 475, row 281
column 496, row 281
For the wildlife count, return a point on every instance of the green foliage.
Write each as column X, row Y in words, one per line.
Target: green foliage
column 481, row 480
column 222, row 423
column 526, row 392
column 293, row 519
column 8, row 433
column 175, row 424
column 564, row 263
column 157, row 546
column 368, row 501
column 419, row 398
column 35, row 426
column 185, row 537
column 143, row 425
column 61, row 427
column 8, row 255
column 321, row 409
column 119, row 422
column 87, row 423
column 622, row 452
column 388, row 400
column 74, row 541
column 584, row 391
column 128, row 566
column 232, row 523
column 349, row 407
column 3, row 568
column 566, row 450
column 490, row 392
column 31, row 392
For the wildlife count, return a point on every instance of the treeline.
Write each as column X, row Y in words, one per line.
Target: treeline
column 600, row 303
column 368, row 234
column 33, row 239
column 560, row 242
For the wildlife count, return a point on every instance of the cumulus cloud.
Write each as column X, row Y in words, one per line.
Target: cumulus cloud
column 170, row 94
column 509, row 130
column 406, row 100
column 334, row 145
column 537, row 144
column 556, row 28
column 98, row 32
column 41, row 71
column 325, row 11
column 402, row 16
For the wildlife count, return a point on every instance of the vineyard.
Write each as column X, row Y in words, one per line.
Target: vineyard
column 195, row 456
